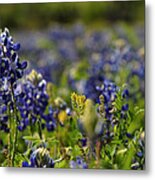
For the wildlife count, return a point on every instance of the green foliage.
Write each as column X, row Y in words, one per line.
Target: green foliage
column 89, row 12
column 137, row 120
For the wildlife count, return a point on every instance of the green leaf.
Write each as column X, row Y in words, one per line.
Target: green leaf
column 31, row 138
column 127, row 160
column 62, row 164
column 137, row 120
column 76, row 151
column 19, row 158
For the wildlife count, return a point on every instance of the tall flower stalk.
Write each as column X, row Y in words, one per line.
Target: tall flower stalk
column 11, row 70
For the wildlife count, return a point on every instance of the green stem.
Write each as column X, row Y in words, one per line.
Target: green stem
column 15, row 123
column 59, row 160
column 9, row 140
column 31, row 126
column 40, row 129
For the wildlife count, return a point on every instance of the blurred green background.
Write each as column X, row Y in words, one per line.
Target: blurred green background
column 32, row 16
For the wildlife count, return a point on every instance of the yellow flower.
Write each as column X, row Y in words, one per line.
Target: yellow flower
column 86, row 111
column 62, row 116
column 89, row 118
column 78, row 103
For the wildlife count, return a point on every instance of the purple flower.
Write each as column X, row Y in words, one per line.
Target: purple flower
column 39, row 158
column 11, row 70
column 79, row 163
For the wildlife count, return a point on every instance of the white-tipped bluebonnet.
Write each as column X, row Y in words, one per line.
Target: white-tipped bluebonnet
column 11, row 67
column 97, row 86
column 11, row 70
column 33, row 101
column 39, row 158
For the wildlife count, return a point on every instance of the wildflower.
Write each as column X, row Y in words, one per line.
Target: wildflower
column 62, row 110
column 50, row 120
column 11, row 67
column 78, row 103
column 62, row 116
column 79, row 163
column 83, row 141
column 11, row 70
column 33, row 102
column 39, row 158
column 103, row 92
column 86, row 112
column 125, row 93
column 125, row 107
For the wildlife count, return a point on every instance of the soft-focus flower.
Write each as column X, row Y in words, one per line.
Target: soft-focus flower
column 78, row 163
column 39, row 158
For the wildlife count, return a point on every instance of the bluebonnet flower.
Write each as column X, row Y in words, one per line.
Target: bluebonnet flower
column 125, row 93
column 50, row 120
column 11, row 70
column 125, row 107
column 139, row 154
column 39, row 158
column 51, row 70
column 97, row 86
column 33, row 101
column 129, row 135
column 25, row 164
column 5, row 98
column 93, row 87
column 78, row 163
column 61, row 111
column 139, row 158
column 111, row 60
column 11, row 67
column 104, row 57
column 83, row 141
column 105, row 92
column 4, row 123
column 97, row 41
